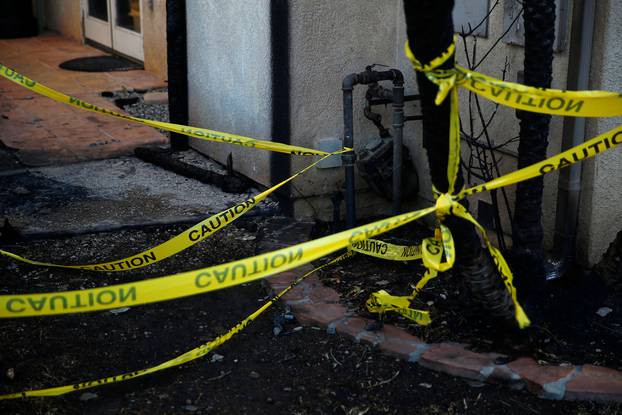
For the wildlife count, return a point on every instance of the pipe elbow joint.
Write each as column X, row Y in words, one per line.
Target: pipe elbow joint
column 349, row 81
column 398, row 77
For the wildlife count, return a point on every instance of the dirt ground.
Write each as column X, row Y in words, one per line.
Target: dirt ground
column 302, row 372
column 566, row 328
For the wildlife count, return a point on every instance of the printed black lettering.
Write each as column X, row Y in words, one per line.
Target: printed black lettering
column 202, row 280
column 106, row 297
column 37, row 305
column 563, row 162
column 474, row 83
column 215, row 223
column 555, row 103
column 221, row 276
column 295, row 256
column 574, row 105
column 136, row 262
column 354, row 237
column 278, row 260
column 234, row 271
column 129, row 295
column 546, row 168
column 54, row 299
column 149, row 256
column 495, row 92
column 11, row 309
column 78, row 302
column 595, row 147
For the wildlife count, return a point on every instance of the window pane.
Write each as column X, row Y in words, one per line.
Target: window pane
column 128, row 14
column 98, row 9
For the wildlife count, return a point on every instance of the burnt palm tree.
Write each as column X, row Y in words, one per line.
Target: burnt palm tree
column 527, row 257
column 430, row 31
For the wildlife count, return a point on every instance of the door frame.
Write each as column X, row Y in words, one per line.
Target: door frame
column 116, row 39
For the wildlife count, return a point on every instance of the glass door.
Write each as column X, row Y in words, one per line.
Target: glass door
column 97, row 22
column 115, row 24
column 127, row 35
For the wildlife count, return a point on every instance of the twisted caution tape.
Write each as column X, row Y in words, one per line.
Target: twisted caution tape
column 201, row 133
column 606, row 141
column 180, row 242
column 541, row 100
column 432, row 250
column 186, row 357
column 511, row 94
column 198, row 281
column 249, row 269
column 549, row 101
column 385, row 250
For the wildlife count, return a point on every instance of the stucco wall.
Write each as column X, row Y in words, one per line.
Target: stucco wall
column 332, row 39
column 600, row 215
column 505, row 125
column 328, row 41
column 64, row 17
column 365, row 32
column 154, row 36
column 229, row 79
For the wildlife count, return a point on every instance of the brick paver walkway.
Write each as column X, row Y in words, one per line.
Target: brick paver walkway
column 45, row 132
column 315, row 304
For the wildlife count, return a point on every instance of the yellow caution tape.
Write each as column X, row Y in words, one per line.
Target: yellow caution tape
column 541, row 100
column 201, row 133
column 198, row 281
column 249, row 269
column 432, row 253
column 599, row 144
column 186, row 357
column 180, row 242
column 385, row 250
column 382, row 302
column 434, row 63
column 522, row 97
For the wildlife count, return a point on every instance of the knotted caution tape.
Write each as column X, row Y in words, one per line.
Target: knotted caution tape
column 386, row 250
column 540, row 100
column 180, row 242
column 183, row 358
column 200, row 133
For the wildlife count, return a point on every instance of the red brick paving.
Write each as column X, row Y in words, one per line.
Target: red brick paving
column 45, row 132
column 317, row 305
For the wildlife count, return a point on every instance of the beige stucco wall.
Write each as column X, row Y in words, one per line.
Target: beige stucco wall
column 600, row 215
column 317, row 71
column 332, row 39
column 229, row 81
column 505, row 125
column 154, row 36
column 328, row 41
column 64, row 17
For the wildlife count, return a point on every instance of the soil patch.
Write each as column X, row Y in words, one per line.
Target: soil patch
column 304, row 372
column 566, row 328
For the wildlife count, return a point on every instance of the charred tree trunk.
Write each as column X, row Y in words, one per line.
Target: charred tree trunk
column 527, row 233
column 430, row 31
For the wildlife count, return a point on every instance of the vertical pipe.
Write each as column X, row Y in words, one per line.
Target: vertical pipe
column 348, row 141
column 280, row 164
column 398, row 130
column 177, row 59
column 569, row 182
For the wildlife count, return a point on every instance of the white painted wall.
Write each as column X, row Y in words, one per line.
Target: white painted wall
column 229, row 82
column 600, row 215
